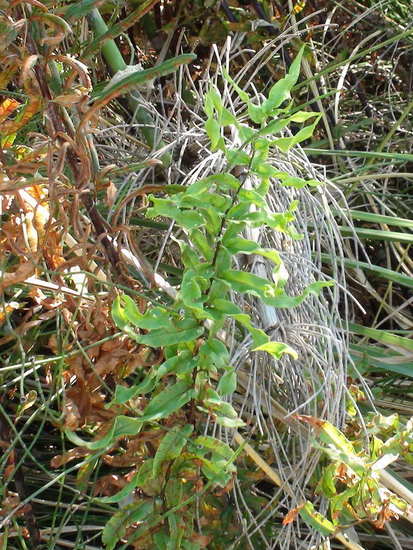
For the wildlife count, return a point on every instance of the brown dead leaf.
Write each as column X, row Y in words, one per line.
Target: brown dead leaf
column 72, row 418
column 292, row 514
column 202, row 540
column 53, row 249
column 73, row 454
column 110, row 484
column 111, row 192
column 23, row 271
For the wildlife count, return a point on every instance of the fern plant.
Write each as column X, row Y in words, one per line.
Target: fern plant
column 192, row 384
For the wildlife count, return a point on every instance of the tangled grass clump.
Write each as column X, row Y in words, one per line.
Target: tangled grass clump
column 177, row 328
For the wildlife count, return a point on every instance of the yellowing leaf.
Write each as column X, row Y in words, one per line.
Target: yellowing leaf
column 7, row 107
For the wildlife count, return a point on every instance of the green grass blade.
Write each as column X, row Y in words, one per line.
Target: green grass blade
column 378, row 218
column 406, row 157
column 140, row 77
column 371, row 357
column 382, row 272
column 400, row 343
column 376, row 234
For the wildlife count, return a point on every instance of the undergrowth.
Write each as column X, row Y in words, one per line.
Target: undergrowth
column 177, row 369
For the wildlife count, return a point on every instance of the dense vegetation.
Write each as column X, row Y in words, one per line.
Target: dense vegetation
column 206, row 274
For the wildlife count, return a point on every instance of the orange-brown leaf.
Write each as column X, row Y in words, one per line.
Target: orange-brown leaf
column 7, row 107
column 291, row 515
column 73, row 454
column 12, row 126
column 23, row 271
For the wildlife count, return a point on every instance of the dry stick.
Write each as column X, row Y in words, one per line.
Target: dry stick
column 59, row 127
column 260, row 462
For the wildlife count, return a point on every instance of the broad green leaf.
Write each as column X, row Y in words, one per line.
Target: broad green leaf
column 191, row 292
column 285, row 301
column 125, row 312
column 213, row 102
column 246, row 133
column 253, row 197
column 189, row 257
column 124, row 394
column 131, row 311
column 174, row 490
column 225, row 306
column 202, row 244
column 339, row 502
column 302, row 116
column 121, row 427
column 274, row 127
column 116, row 527
column 326, row 485
column 215, row 352
column 228, row 422
column 336, row 445
column 241, row 211
column 247, row 283
column 244, row 282
column 256, row 113
column 224, row 180
column 243, row 95
column 144, row 475
column 316, row 520
column 237, row 157
column 213, row 221
column 280, row 91
column 238, row 244
column 218, row 471
column 285, row 144
column 180, row 364
column 118, row 313
column 264, row 169
column 227, row 118
column 277, row 349
column 228, row 382
column 213, row 130
column 258, row 336
column 224, row 412
column 162, row 207
column 161, row 337
column 214, row 445
column 168, row 401
column 171, row 446
column 189, row 220
column 296, row 182
column 198, row 188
